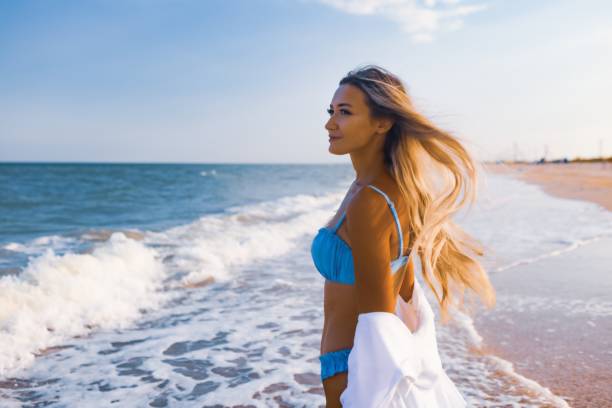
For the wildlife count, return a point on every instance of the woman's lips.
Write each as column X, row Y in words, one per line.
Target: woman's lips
column 331, row 138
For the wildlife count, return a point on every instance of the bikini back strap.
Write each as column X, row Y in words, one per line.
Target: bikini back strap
column 340, row 221
column 397, row 222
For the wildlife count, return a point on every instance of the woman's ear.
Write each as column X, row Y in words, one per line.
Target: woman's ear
column 384, row 125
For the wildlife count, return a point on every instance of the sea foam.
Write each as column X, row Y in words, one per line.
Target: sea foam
column 58, row 297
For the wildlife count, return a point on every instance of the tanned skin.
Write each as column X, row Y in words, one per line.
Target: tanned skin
column 369, row 229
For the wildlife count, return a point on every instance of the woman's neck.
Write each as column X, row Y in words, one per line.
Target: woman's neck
column 367, row 177
column 367, row 168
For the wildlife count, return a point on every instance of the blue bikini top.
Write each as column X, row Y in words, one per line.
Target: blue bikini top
column 333, row 257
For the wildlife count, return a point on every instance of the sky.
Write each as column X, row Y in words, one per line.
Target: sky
column 249, row 81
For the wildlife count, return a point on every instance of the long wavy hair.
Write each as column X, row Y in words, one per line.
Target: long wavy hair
column 436, row 176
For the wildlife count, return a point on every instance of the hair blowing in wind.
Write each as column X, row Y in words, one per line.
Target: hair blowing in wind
column 436, row 177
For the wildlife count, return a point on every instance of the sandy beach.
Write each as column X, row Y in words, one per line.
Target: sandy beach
column 558, row 333
column 582, row 181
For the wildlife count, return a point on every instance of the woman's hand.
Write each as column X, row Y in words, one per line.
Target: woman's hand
column 408, row 282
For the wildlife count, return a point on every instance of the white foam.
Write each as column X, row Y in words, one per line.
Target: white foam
column 214, row 245
column 51, row 240
column 467, row 323
column 569, row 307
column 15, row 247
column 571, row 246
column 40, row 244
column 519, row 223
column 57, row 297
column 507, row 368
column 212, row 172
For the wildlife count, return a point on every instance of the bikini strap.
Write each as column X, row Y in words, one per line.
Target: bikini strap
column 397, row 222
column 340, row 221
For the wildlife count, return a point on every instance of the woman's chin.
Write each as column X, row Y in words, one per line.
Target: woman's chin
column 334, row 150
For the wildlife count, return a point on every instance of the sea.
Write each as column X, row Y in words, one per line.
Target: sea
column 192, row 285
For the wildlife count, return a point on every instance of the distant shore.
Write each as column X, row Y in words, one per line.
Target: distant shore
column 590, row 181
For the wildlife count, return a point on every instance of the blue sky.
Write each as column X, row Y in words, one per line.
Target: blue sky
column 248, row 81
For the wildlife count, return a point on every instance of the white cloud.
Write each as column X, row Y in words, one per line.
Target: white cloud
column 421, row 19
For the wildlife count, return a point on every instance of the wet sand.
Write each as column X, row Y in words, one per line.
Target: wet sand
column 554, row 316
column 582, row 181
column 554, row 323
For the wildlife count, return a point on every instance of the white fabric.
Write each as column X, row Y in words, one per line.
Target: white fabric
column 390, row 366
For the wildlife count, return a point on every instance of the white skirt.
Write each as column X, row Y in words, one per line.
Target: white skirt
column 391, row 366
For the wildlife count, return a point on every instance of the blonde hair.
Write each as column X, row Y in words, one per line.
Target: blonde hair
column 418, row 155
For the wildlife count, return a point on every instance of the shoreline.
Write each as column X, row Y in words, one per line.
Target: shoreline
column 553, row 320
column 553, row 323
column 579, row 181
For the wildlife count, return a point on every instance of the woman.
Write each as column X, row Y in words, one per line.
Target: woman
column 378, row 346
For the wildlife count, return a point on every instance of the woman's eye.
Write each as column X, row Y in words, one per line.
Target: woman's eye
column 331, row 111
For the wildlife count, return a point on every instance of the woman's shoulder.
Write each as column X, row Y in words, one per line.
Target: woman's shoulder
column 367, row 201
column 369, row 208
column 381, row 189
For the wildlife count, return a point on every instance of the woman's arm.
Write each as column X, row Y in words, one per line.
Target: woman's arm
column 408, row 282
column 383, row 345
column 369, row 226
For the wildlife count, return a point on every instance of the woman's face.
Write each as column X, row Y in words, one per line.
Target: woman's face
column 350, row 126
